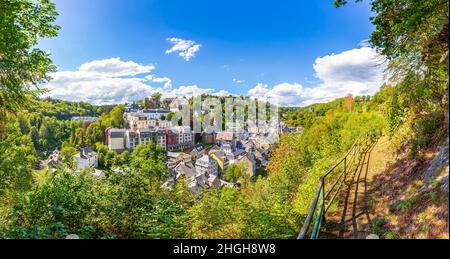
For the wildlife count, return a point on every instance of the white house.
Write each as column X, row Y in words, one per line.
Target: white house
column 207, row 166
column 86, row 158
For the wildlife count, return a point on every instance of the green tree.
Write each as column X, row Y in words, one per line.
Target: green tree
column 22, row 22
column 68, row 197
column 114, row 118
column 220, row 213
column 34, row 135
column 413, row 35
column 17, row 161
column 150, row 160
column 66, row 155
column 24, row 124
column 79, row 137
column 94, row 133
column 136, row 208
column 235, row 172
column 124, row 157
column 156, row 98
column 111, row 159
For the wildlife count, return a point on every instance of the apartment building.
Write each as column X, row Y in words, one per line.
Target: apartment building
column 179, row 138
column 115, row 139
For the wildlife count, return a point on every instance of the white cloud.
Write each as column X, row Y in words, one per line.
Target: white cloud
column 237, row 81
column 96, row 89
column 186, row 49
column 96, row 83
column 356, row 65
column 188, row 91
column 161, row 80
column 112, row 81
column 284, row 94
column 357, row 72
column 223, row 93
column 259, row 91
column 108, row 81
column 114, row 67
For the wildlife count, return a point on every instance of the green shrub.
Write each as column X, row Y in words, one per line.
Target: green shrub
column 378, row 226
column 405, row 205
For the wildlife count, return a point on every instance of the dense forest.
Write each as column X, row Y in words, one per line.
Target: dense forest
column 130, row 203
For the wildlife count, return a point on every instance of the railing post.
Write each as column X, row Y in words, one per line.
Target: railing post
column 345, row 166
column 323, row 200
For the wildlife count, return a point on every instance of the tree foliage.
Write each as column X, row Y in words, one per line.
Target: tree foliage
column 22, row 65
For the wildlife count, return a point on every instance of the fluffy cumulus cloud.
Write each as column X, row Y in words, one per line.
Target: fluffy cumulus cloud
column 259, row 91
column 106, row 81
column 167, row 82
column 223, row 93
column 284, row 94
column 188, row 91
column 115, row 67
column 358, row 65
column 186, row 49
column 112, row 81
column 357, row 72
column 96, row 89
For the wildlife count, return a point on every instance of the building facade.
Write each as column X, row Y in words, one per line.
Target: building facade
column 207, row 166
column 115, row 139
column 180, row 138
column 86, row 158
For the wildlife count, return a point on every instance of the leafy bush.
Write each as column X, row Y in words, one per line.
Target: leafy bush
column 378, row 226
column 406, row 205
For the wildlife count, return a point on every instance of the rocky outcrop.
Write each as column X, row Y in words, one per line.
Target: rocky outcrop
column 437, row 165
column 444, row 184
column 72, row 236
column 372, row 236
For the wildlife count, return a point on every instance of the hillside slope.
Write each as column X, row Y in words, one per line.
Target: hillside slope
column 401, row 203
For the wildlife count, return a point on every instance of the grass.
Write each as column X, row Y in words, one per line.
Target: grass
column 378, row 227
column 391, row 235
column 406, row 205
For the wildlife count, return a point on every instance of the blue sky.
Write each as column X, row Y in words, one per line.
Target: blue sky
column 242, row 46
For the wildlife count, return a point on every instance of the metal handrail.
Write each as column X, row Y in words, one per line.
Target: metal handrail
column 322, row 194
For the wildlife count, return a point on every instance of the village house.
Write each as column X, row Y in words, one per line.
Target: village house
column 234, row 156
column 131, row 139
column 197, row 180
column 99, row 174
column 175, row 158
column 134, row 107
column 154, row 113
column 207, row 166
column 249, row 163
column 143, row 118
column 86, row 158
column 208, row 138
column 198, row 151
column 222, row 160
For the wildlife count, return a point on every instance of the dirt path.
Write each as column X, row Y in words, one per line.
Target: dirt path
column 382, row 196
column 352, row 219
